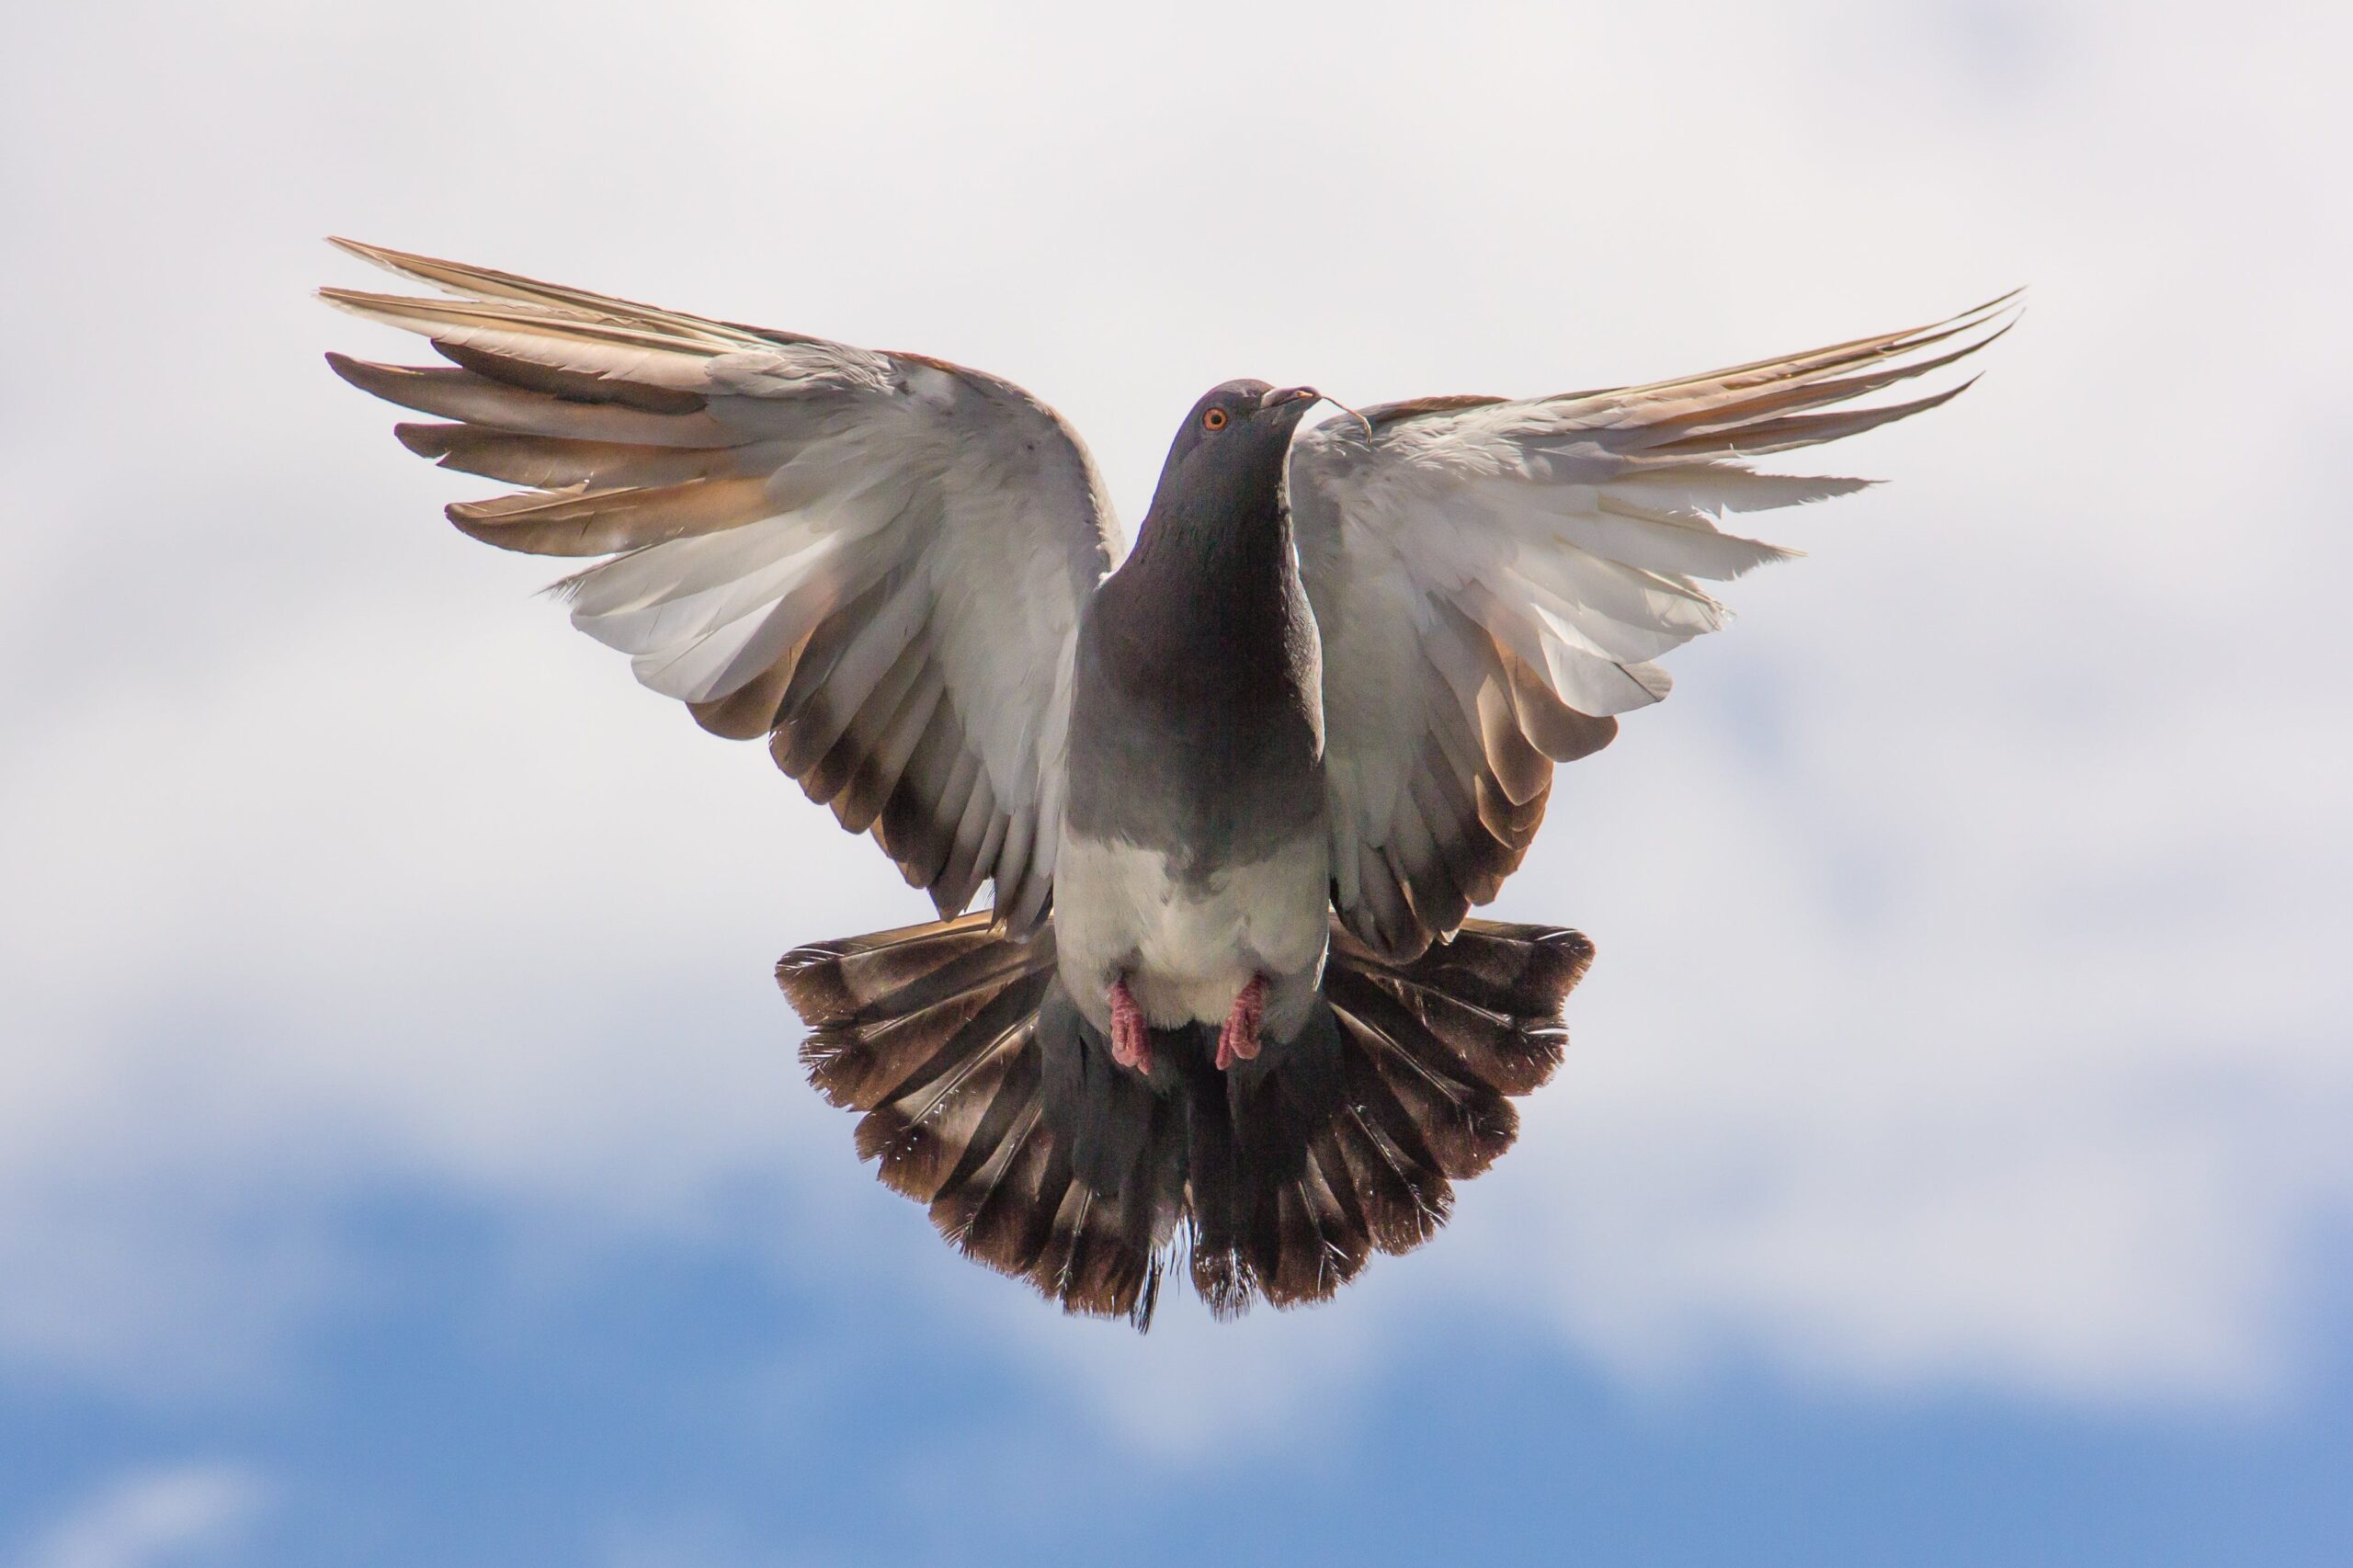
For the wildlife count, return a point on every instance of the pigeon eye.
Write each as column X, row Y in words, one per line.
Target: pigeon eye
column 1214, row 419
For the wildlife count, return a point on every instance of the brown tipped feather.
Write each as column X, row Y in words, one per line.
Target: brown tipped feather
column 1513, row 1056
column 918, row 826
column 603, row 522
column 1386, row 923
column 1747, row 410
column 1407, row 1199
column 657, row 349
column 875, row 773
column 486, row 283
column 1522, row 770
column 1513, row 824
column 813, row 715
column 1281, row 1181
column 920, row 1135
column 1474, row 860
column 478, row 400
column 1327, row 1168
column 977, row 832
column 837, row 981
column 993, row 1216
column 570, row 386
column 1520, row 972
column 640, row 427
column 859, row 730
column 750, row 711
column 1796, row 430
column 552, row 463
column 859, row 1067
column 1811, row 365
column 1464, row 1123
column 1551, row 726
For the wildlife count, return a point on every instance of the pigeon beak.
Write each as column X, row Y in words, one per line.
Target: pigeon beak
column 1300, row 397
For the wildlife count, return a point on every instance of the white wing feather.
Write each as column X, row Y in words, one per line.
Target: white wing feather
column 879, row 557
column 1505, row 573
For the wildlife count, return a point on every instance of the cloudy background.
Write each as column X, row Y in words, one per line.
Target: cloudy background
column 401, row 1154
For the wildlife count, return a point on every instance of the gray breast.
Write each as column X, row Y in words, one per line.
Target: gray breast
column 1195, row 848
column 1196, row 723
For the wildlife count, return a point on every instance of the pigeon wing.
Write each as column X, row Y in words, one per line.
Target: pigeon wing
column 875, row 560
column 1493, row 579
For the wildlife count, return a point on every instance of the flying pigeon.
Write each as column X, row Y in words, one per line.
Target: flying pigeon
column 1234, row 792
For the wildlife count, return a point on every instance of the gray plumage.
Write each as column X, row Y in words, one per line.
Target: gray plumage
column 1194, row 844
column 1234, row 798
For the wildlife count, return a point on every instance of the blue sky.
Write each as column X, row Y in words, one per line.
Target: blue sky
column 671, row 1405
column 402, row 1153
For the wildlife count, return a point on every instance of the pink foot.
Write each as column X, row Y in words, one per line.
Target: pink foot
column 1238, row 1040
column 1131, row 1044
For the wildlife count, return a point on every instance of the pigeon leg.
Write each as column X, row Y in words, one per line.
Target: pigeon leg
column 1238, row 1040
column 1131, row 1044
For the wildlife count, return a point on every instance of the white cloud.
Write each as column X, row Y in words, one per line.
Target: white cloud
column 1970, row 920
column 154, row 1519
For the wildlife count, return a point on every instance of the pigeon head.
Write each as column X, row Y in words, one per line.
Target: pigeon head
column 1227, row 456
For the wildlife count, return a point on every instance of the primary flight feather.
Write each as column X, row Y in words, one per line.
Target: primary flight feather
column 1234, row 792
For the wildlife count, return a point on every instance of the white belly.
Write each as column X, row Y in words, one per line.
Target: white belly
column 1186, row 949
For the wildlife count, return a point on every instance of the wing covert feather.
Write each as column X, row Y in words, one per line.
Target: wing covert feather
column 1493, row 578
column 877, row 560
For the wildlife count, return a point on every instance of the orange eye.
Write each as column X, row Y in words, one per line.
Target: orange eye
column 1214, row 419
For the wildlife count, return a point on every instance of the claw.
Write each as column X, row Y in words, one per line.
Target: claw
column 1238, row 1040
column 1131, row 1041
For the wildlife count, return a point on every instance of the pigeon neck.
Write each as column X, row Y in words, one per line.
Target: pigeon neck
column 1206, row 622
column 1222, row 522
column 1217, row 541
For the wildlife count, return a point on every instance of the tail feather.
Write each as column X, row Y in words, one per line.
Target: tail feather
column 987, row 1098
column 1405, row 1199
column 1465, row 1121
column 932, row 1032
column 950, row 1113
column 1221, row 1265
column 876, row 976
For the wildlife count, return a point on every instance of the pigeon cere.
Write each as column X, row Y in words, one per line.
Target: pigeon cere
column 1234, row 792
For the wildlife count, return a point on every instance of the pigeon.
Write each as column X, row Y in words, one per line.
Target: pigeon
column 1235, row 791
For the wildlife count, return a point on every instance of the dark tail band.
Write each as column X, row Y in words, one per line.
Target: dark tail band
column 988, row 1099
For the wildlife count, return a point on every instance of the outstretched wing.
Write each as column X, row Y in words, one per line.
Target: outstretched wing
column 877, row 560
column 1494, row 578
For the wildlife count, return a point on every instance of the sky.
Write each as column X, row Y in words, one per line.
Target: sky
column 403, row 1155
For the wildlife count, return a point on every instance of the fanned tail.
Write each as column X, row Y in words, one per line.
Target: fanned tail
column 932, row 1032
column 987, row 1098
column 1347, row 1140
